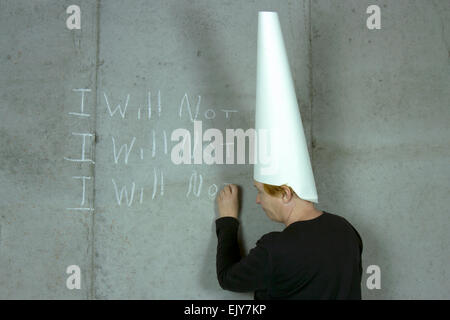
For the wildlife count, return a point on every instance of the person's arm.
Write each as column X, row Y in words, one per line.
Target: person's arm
column 233, row 272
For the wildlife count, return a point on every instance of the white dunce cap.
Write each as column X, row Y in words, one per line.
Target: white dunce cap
column 284, row 158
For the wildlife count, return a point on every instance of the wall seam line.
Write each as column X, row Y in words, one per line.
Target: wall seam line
column 97, row 56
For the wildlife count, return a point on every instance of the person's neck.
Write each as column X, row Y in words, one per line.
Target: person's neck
column 302, row 212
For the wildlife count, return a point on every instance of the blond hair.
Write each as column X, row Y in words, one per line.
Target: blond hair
column 277, row 190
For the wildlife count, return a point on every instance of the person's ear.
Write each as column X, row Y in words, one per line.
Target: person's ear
column 287, row 194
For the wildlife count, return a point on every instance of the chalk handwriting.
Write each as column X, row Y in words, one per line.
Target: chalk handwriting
column 185, row 98
column 193, row 184
column 122, row 112
column 83, row 159
column 124, row 189
column 130, row 196
column 83, row 194
column 81, row 113
column 127, row 151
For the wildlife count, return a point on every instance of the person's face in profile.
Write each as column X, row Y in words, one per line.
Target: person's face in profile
column 266, row 201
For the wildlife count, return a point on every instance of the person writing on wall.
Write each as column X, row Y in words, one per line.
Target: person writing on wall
column 318, row 254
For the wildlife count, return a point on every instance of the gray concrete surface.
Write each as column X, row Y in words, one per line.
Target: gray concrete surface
column 374, row 104
column 381, row 130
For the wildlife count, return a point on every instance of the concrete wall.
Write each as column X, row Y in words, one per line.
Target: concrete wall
column 374, row 105
column 381, row 134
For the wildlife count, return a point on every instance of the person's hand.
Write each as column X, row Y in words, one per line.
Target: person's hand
column 227, row 201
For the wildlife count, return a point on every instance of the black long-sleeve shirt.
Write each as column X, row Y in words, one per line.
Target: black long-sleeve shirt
column 313, row 259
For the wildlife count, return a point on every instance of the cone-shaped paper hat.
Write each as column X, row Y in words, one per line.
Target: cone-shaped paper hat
column 281, row 151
